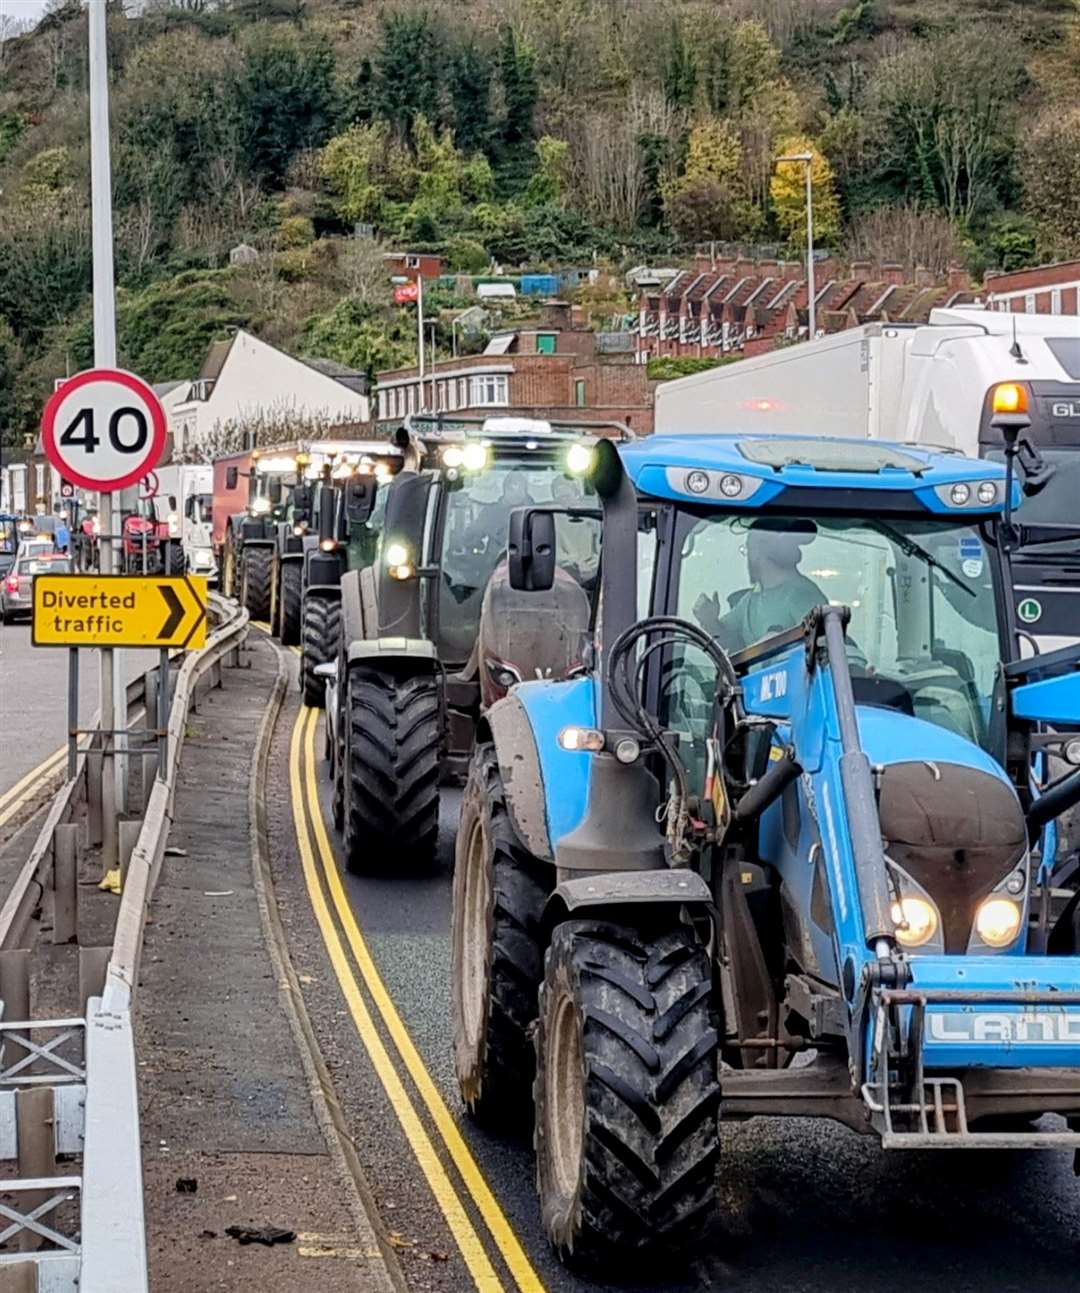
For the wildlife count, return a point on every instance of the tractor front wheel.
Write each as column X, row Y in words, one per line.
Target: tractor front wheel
column 500, row 891
column 258, row 563
column 627, row 1091
column 391, row 752
column 289, row 605
column 321, row 625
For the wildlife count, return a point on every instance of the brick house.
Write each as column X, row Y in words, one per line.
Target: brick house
column 1043, row 289
column 415, row 264
column 742, row 307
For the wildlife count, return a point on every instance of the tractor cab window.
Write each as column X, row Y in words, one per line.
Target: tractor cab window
column 921, row 594
column 477, row 515
column 199, row 508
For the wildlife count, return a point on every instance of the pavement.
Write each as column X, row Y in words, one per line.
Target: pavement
column 235, row 1127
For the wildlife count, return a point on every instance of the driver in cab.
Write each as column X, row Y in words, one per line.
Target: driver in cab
column 780, row 595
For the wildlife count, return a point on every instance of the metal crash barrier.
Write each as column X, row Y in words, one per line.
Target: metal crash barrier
column 68, row 1087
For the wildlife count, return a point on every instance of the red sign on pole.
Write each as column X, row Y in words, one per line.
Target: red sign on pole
column 407, row 292
column 104, row 429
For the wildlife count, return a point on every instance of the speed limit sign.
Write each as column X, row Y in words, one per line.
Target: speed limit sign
column 104, row 429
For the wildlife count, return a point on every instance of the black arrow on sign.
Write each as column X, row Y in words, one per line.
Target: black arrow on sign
column 176, row 612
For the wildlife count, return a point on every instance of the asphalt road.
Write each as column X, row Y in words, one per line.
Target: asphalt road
column 33, row 698
column 807, row 1206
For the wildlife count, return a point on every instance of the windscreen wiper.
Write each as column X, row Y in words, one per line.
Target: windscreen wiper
column 912, row 549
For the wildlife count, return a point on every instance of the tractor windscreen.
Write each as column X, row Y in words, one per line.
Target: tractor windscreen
column 921, row 593
column 474, row 539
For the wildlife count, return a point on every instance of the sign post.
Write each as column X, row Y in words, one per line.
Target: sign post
column 102, row 430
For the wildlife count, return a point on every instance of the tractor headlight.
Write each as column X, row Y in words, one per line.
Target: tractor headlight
column 502, row 674
column 997, row 922
column 260, row 506
column 960, row 493
column 474, row 456
column 581, row 738
column 328, row 545
column 916, row 921
column 453, row 455
column 174, row 524
column 397, row 554
column 987, row 492
column 579, row 458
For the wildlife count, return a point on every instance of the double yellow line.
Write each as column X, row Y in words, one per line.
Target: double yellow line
column 23, row 790
column 356, row 967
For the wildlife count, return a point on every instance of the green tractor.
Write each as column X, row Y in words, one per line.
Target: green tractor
column 342, row 535
column 429, row 636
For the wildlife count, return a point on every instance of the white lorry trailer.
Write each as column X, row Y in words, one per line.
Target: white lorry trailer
column 928, row 384
column 185, row 495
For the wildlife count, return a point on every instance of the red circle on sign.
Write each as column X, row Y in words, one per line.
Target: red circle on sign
column 147, row 459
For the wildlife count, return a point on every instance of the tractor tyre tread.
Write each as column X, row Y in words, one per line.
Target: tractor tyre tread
column 496, row 1084
column 393, row 751
column 291, row 603
column 321, row 628
column 258, row 564
column 647, row 1178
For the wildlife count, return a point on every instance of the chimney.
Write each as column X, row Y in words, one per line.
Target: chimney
column 790, row 271
column 861, row 269
column 959, row 278
column 744, row 267
column 769, row 268
column 892, row 273
column 725, row 265
column 924, row 277
column 556, row 314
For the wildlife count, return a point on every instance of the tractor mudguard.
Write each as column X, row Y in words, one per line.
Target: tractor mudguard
column 572, row 898
column 1053, row 700
column 377, row 651
column 547, row 787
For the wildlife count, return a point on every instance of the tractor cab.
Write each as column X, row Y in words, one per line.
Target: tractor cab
column 803, row 809
column 436, row 622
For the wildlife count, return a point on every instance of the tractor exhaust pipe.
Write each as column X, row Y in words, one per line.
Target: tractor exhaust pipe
column 1053, row 803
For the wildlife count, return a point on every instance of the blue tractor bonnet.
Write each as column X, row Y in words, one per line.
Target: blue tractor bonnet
column 751, row 471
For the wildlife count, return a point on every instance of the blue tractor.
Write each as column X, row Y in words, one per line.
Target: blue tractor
column 788, row 848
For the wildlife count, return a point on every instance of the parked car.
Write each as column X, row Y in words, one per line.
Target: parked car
column 17, row 587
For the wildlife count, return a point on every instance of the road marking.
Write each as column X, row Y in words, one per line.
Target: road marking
column 12, row 800
column 461, row 1227
column 495, row 1218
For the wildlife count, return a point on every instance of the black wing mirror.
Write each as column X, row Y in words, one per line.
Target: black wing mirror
column 359, row 499
column 531, row 550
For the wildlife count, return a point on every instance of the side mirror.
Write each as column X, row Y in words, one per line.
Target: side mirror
column 359, row 499
column 531, row 550
column 232, row 477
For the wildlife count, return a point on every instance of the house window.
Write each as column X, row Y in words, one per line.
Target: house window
column 412, row 262
column 382, row 405
column 1029, row 303
column 1055, row 301
column 463, row 392
column 545, row 343
column 579, row 393
column 412, row 399
column 489, row 389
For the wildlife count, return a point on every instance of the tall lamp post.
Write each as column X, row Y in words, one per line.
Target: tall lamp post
column 808, row 161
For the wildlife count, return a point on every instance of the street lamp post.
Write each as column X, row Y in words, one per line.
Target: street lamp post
column 808, row 161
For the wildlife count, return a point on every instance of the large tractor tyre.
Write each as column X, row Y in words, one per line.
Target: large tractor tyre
column 258, row 565
column 173, row 559
column 627, row 1092
column 290, row 603
column 320, row 628
column 500, row 891
column 392, row 752
column 228, row 566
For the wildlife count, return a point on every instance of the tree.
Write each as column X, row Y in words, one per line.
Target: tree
column 409, row 68
column 908, row 235
column 364, row 337
column 708, row 200
column 680, row 68
column 520, row 88
column 469, row 82
column 1050, row 166
column 788, row 193
column 366, row 167
column 287, row 96
column 549, row 182
column 944, row 117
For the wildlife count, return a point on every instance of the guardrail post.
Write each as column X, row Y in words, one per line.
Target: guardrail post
column 34, row 1117
column 65, row 883
column 128, row 837
column 15, row 993
column 93, row 964
column 150, row 752
column 93, row 798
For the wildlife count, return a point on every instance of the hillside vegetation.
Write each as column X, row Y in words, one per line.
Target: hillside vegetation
column 504, row 132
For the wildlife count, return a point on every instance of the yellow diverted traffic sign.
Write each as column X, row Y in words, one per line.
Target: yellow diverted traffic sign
column 120, row 611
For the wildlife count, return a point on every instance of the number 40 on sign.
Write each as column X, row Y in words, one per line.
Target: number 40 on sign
column 104, row 429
